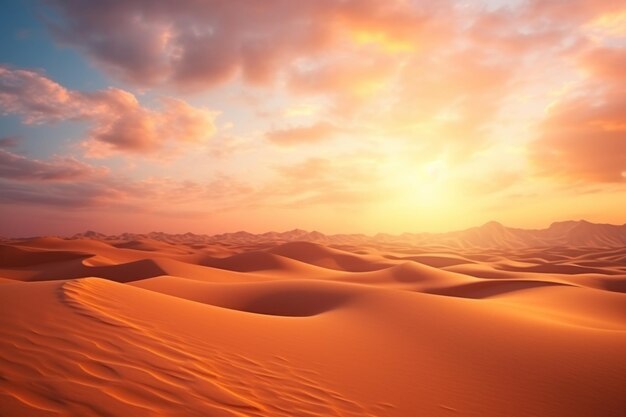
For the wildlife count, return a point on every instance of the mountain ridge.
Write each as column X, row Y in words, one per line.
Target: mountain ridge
column 492, row 234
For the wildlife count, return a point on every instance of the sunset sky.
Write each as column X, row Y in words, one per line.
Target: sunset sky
column 331, row 115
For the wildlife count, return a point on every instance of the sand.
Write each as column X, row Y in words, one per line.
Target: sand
column 243, row 325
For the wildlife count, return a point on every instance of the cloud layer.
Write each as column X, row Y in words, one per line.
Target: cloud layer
column 432, row 105
column 190, row 43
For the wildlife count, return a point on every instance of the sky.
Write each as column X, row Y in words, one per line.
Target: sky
column 343, row 116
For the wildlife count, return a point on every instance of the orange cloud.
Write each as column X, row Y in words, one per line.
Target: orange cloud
column 583, row 137
column 340, row 181
column 341, row 78
column 119, row 123
column 33, row 96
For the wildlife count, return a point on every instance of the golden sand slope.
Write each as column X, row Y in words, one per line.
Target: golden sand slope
column 144, row 328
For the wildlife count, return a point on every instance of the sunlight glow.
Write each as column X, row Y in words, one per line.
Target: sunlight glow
column 421, row 186
column 608, row 25
column 383, row 40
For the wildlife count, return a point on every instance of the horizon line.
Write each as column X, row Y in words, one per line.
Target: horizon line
column 495, row 222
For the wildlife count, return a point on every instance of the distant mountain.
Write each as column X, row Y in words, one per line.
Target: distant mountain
column 569, row 233
column 490, row 235
column 584, row 233
column 90, row 234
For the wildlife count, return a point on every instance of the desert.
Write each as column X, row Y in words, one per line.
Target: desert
column 322, row 208
column 483, row 322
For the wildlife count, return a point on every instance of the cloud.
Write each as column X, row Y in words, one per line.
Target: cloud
column 416, row 80
column 69, row 183
column 341, row 75
column 606, row 65
column 573, row 11
column 193, row 44
column 445, row 103
column 583, row 137
column 17, row 167
column 124, row 125
column 9, row 141
column 341, row 181
column 34, row 97
column 119, row 123
column 314, row 133
column 349, row 87
column 60, row 182
column 72, row 195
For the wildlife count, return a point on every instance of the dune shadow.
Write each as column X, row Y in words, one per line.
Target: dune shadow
column 245, row 262
column 486, row 289
column 295, row 302
column 126, row 272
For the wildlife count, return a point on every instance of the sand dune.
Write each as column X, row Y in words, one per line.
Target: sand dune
column 262, row 261
column 150, row 245
column 15, row 256
column 276, row 298
column 326, row 257
column 261, row 325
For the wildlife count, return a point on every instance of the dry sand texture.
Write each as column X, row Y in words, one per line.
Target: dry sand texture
column 487, row 322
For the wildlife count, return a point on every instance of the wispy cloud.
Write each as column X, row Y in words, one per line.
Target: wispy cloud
column 314, row 133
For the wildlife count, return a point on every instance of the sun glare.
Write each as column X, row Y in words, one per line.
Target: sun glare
column 421, row 185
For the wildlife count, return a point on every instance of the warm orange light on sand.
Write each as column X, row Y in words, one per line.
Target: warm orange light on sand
column 489, row 321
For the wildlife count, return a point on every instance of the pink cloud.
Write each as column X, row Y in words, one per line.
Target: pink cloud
column 119, row 123
column 68, row 183
column 34, row 97
column 17, row 167
column 59, row 181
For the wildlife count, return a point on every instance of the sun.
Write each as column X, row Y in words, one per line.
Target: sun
column 422, row 185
